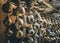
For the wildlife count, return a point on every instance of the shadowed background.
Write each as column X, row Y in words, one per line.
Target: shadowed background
column 2, row 27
